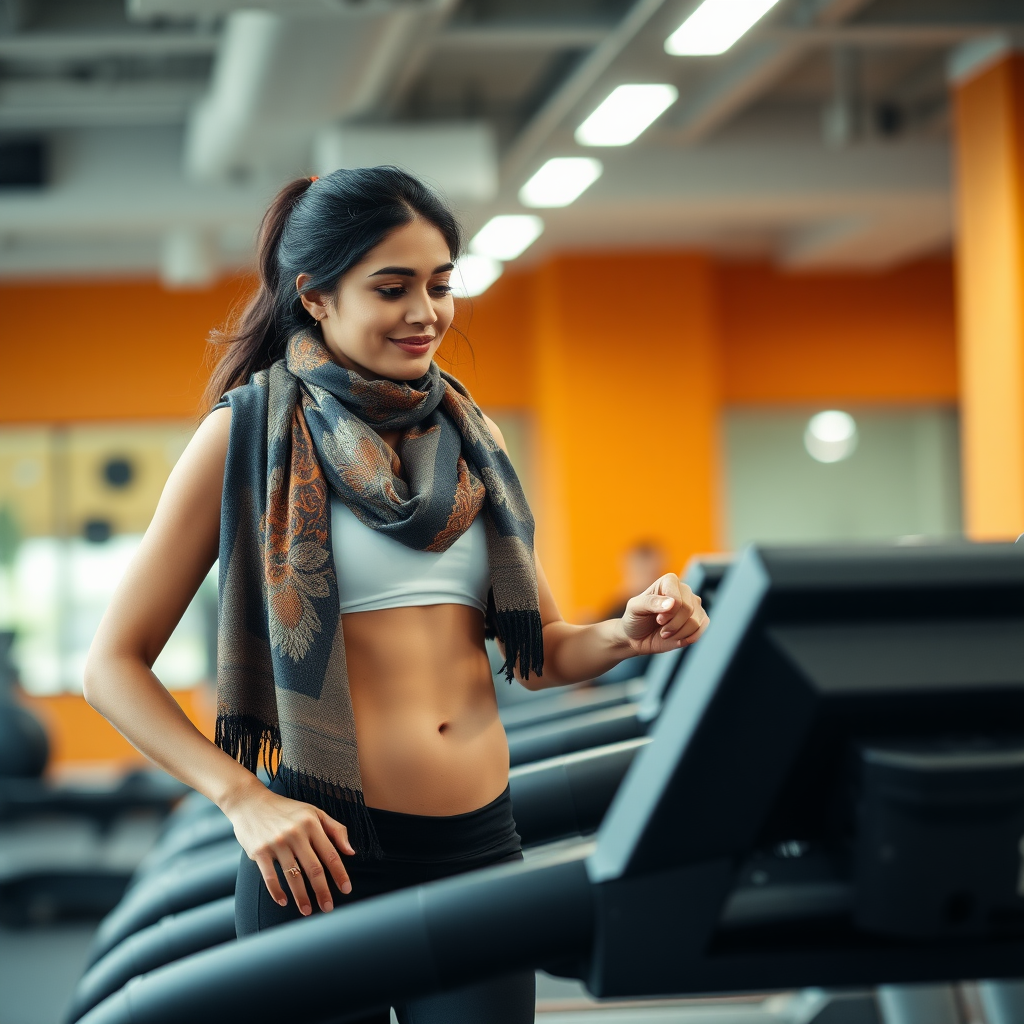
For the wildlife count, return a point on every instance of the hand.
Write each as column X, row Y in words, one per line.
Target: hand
column 667, row 615
column 301, row 838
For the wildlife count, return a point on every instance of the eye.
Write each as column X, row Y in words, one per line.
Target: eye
column 396, row 291
column 443, row 289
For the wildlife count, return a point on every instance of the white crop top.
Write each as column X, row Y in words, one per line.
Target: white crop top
column 376, row 571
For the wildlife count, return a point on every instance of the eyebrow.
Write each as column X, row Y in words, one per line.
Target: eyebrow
column 409, row 272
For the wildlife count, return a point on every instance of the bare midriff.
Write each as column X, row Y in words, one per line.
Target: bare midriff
column 430, row 740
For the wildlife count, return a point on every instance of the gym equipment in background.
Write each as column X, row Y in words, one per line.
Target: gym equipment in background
column 179, row 909
column 66, row 851
column 833, row 795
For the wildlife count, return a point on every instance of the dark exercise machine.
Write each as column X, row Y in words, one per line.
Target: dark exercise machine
column 41, row 821
column 178, row 912
column 833, row 795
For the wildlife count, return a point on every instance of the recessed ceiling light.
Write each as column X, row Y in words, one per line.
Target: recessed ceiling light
column 473, row 275
column 625, row 114
column 830, row 436
column 561, row 180
column 506, row 236
column 715, row 26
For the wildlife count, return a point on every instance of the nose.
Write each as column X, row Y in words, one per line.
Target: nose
column 422, row 310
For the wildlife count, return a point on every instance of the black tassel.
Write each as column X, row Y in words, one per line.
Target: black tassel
column 341, row 803
column 522, row 635
column 253, row 742
column 250, row 741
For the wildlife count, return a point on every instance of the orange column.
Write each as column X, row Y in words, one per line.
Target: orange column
column 989, row 123
column 627, row 399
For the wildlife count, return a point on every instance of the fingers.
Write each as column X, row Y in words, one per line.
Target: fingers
column 667, row 598
column 317, row 878
column 337, row 833
column 327, row 852
column 265, row 863
column 292, row 870
column 305, row 845
column 686, row 624
column 677, row 610
column 695, row 636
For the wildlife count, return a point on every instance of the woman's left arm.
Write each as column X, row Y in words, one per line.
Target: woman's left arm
column 667, row 615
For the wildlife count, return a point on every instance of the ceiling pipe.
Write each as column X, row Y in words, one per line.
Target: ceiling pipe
column 754, row 69
column 840, row 120
column 278, row 79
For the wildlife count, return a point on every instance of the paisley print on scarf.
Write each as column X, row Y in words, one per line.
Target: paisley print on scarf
column 295, row 546
column 469, row 499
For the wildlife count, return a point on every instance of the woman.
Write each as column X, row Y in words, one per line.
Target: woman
column 371, row 531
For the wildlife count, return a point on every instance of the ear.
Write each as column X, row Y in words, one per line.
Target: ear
column 314, row 303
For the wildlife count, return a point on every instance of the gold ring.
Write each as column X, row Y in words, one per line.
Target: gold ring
column 294, row 870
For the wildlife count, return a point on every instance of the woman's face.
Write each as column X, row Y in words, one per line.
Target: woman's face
column 390, row 311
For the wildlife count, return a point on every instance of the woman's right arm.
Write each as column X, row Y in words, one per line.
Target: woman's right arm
column 176, row 553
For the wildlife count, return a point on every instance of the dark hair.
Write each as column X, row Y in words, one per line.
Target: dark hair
column 322, row 228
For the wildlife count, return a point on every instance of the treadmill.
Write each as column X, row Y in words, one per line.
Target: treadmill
column 833, row 795
column 180, row 901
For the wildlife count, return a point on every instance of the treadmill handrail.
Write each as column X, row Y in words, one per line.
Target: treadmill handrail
column 385, row 949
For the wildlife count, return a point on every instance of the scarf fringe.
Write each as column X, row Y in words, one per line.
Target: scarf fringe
column 521, row 634
column 341, row 803
column 254, row 743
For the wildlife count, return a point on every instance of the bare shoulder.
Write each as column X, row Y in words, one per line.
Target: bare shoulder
column 206, row 454
column 499, row 440
column 198, row 476
column 212, row 434
column 190, row 503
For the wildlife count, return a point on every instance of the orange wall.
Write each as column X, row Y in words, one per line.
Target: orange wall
column 627, row 397
column 625, row 360
column 798, row 338
column 137, row 351
column 104, row 351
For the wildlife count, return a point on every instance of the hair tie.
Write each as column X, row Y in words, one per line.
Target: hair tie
column 314, row 177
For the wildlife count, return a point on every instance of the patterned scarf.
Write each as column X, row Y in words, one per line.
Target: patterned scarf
column 300, row 430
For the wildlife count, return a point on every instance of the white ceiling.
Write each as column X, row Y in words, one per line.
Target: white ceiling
column 820, row 140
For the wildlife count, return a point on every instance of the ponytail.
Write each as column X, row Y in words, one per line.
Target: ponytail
column 323, row 232
column 251, row 340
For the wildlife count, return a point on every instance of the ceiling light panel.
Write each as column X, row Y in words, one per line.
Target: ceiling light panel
column 715, row 26
column 507, row 236
column 625, row 114
column 473, row 275
column 561, row 180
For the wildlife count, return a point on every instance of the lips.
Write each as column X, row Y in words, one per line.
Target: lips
column 417, row 344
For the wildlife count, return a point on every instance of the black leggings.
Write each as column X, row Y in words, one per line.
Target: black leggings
column 417, row 848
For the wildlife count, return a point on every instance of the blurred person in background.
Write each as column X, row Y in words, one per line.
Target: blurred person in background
column 642, row 563
column 371, row 531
